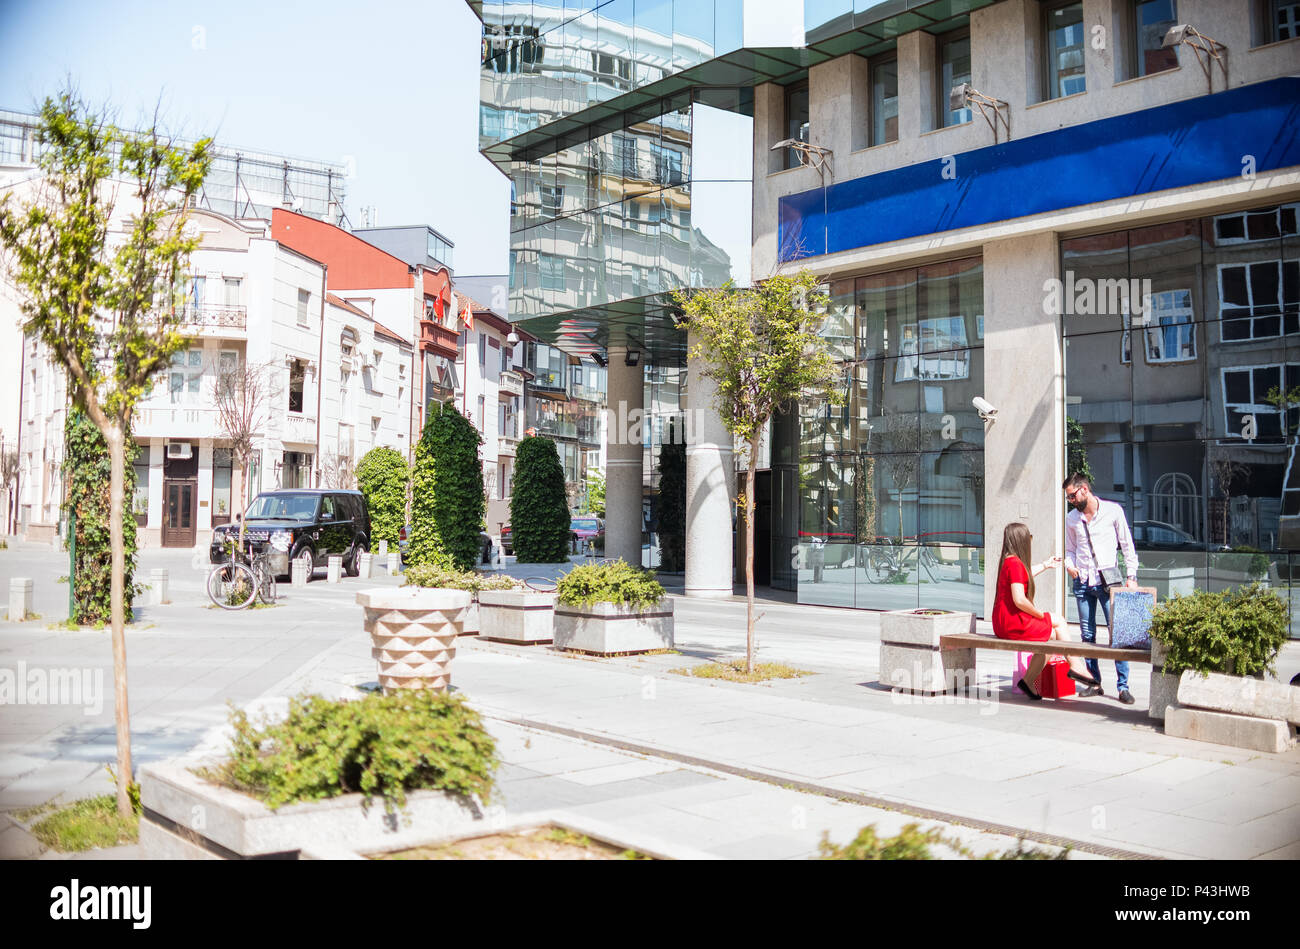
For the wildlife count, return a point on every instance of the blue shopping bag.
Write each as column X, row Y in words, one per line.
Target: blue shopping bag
column 1130, row 617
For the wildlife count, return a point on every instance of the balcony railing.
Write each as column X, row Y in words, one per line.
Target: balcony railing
column 506, row 445
column 300, row 429
column 510, row 383
column 211, row 316
column 439, row 339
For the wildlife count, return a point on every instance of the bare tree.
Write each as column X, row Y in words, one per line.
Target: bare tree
column 243, row 398
column 908, row 434
column 8, row 477
column 338, row 471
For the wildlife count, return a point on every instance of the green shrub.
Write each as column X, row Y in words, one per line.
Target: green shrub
column 672, row 502
column 447, row 500
column 89, row 824
column 448, row 578
column 1238, row 632
column 911, row 843
column 379, row 745
column 86, row 469
column 1257, row 569
column 539, row 506
column 615, row 582
column 383, row 477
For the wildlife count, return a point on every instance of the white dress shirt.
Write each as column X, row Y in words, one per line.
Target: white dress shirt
column 1110, row 533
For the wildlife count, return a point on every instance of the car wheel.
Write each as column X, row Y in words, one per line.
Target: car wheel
column 305, row 557
column 354, row 562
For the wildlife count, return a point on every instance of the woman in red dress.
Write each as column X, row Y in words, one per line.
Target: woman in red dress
column 1014, row 613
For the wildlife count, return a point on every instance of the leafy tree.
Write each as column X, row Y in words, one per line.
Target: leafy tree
column 1076, row 450
column 384, row 477
column 672, row 501
column 86, row 468
column 447, row 499
column 539, row 509
column 98, row 255
column 761, row 347
column 595, row 498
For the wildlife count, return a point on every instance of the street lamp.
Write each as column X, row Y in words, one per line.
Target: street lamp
column 964, row 95
column 1206, row 48
column 818, row 156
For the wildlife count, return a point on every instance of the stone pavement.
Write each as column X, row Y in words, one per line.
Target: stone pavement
column 624, row 740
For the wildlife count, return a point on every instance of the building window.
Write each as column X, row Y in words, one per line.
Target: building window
column 933, row 349
column 482, row 413
column 482, row 351
column 1260, row 225
column 198, row 290
column 1247, row 391
column 796, row 119
column 1170, row 331
column 1063, row 25
column 222, row 466
column 1259, row 300
column 1283, row 20
column 297, row 373
column 551, row 271
column 954, row 69
column 140, row 499
column 552, row 197
column 253, row 476
column 1151, row 20
column 625, row 156
column 185, row 379
column 304, row 299
column 295, row 471
column 884, row 102
column 227, row 365
column 668, row 165
column 234, row 288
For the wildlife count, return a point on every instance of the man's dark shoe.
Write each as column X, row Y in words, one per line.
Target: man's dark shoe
column 1126, row 697
column 1090, row 691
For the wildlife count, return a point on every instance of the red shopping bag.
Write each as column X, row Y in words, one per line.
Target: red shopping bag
column 1055, row 682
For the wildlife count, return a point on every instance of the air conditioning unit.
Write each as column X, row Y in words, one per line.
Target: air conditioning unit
column 180, row 450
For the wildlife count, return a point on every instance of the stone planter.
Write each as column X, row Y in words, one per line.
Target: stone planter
column 188, row 818
column 910, row 657
column 1240, row 695
column 607, row 629
column 413, row 631
column 1168, row 581
column 472, row 624
column 1164, row 688
column 517, row 616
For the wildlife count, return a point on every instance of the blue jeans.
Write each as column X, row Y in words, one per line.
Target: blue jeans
column 1088, row 597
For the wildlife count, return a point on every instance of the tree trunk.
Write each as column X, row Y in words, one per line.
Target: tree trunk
column 749, row 556
column 116, row 489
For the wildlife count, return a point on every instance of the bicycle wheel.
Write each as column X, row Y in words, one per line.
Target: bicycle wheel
column 266, row 583
column 232, row 586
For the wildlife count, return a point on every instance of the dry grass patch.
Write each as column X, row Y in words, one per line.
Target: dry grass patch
column 85, row 825
column 733, row 670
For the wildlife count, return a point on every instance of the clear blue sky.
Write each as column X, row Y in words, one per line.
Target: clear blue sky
column 392, row 83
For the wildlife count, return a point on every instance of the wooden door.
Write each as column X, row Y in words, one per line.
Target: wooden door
column 180, row 517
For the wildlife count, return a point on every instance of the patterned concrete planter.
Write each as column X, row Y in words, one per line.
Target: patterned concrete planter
column 188, row 818
column 517, row 616
column 910, row 658
column 607, row 629
column 413, row 631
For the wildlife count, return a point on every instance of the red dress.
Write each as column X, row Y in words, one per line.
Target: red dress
column 1009, row 621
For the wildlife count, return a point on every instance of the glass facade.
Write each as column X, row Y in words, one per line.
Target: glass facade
column 1189, row 407
column 890, row 483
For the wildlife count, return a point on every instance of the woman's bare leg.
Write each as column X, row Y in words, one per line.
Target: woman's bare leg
column 1035, row 669
column 1060, row 631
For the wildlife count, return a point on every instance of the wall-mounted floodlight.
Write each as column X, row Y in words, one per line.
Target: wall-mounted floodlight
column 818, row 156
column 1207, row 48
column 963, row 95
column 513, row 338
column 632, row 358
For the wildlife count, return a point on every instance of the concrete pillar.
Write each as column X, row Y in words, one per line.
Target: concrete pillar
column 299, row 573
column 1024, row 454
column 394, row 563
column 383, row 548
column 334, row 570
column 20, row 598
column 157, row 586
column 623, row 465
column 367, row 565
column 710, row 490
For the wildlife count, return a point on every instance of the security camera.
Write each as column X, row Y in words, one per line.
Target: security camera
column 987, row 411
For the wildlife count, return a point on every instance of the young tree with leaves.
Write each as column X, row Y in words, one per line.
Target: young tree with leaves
column 447, row 498
column 106, row 304
column 539, row 506
column 761, row 347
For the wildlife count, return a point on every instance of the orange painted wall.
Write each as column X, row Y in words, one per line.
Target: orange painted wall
column 353, row 264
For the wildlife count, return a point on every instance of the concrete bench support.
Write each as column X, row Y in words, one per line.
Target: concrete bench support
column 912, row 655
column 335, row 570
column 366, row 565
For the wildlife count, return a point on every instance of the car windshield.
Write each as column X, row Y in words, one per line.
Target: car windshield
column 584, row 524
column 290, row 507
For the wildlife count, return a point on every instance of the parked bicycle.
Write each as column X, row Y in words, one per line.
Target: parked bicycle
column 236, row 583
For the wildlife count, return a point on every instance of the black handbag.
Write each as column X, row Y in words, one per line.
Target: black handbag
column 1110, row 576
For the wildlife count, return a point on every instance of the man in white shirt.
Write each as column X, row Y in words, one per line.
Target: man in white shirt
column 1095, row 532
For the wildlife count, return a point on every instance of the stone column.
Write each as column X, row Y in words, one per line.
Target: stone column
column 710, row 490
column 623, row 465
column 1024, row 450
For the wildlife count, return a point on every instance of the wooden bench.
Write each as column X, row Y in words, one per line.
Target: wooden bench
column 1051, row 647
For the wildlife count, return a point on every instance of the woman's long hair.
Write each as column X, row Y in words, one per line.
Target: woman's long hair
column 1015, row 543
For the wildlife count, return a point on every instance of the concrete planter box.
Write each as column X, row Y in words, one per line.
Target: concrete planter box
column 188, row 818
column 1164, row 688
column 471, row 625
column 413, row 633
column 1240, row 695
column 517, row 616
column 607, row 629
column 910, row 658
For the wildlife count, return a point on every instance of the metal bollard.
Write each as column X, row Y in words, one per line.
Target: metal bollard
column 367, row 563
column 335, row 569
column 20, row 598
column 158, row 586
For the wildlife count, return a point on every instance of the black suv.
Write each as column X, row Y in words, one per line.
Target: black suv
column 305, row 524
